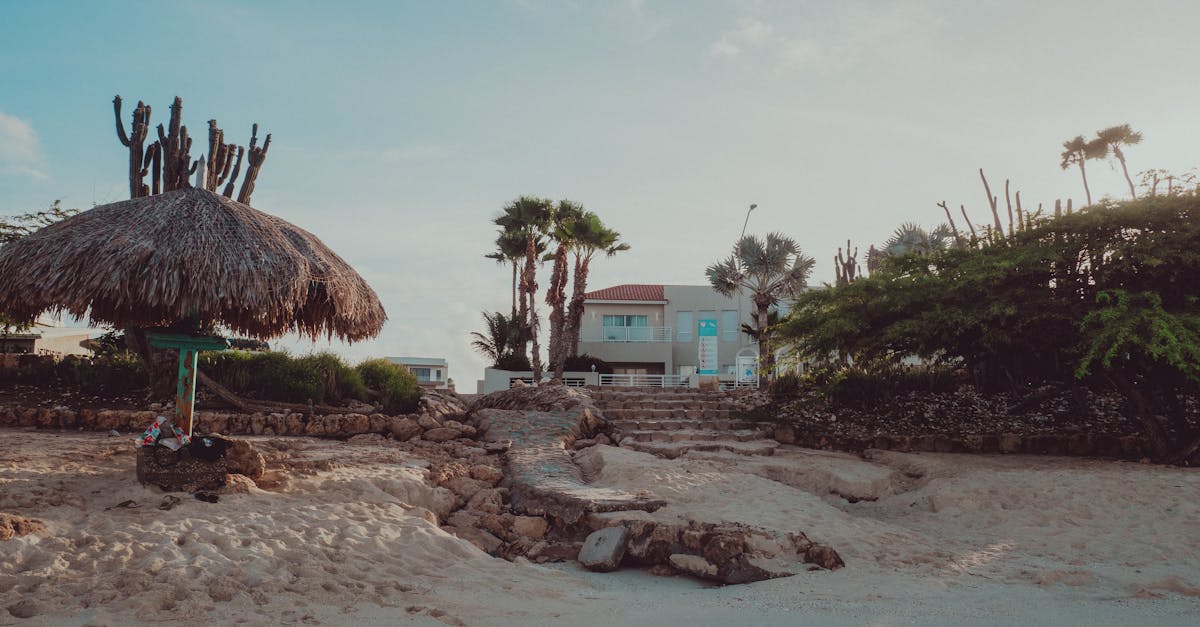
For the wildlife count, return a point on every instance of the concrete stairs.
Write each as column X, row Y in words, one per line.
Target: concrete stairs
column 671, row 422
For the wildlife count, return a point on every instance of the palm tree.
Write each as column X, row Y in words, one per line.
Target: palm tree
column 567, row 215
column 1077, row 152
column 501, row 337
column 510, row 249
column 1113, row 138
column 529, row 217
column 591, row 237
column 769, row 269
column 754, row 333
column 911, row 238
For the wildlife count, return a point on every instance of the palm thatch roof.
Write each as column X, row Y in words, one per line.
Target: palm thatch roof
column 188, row 254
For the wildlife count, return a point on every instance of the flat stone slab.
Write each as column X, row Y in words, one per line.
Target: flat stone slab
column 603, row 549
column 544, row 478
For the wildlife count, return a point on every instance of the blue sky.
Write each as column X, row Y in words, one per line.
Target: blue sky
column 401, row 128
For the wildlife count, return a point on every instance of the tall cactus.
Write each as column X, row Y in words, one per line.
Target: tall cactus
column 135, row 143
column 168, row 160
column 255, row 157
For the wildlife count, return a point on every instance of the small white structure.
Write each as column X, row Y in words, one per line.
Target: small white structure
column 430, row 371
column 48, row 336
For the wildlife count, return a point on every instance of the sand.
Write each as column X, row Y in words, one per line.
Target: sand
column 927, row 538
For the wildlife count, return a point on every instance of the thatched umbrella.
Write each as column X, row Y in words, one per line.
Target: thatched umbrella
column 188, row 255
column 187, row 261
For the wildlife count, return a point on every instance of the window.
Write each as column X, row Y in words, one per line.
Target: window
column 437, row 374
column 422, row 374
column 684, row 324
column 625, row 321
column 729, row 325
column 621, row 328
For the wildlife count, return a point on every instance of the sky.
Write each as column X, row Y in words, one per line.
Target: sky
column 400, row 129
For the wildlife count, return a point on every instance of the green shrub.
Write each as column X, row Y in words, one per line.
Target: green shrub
column 786, row 386
column 274, row 376
column 856, row 385
column 397, row 387
column 339, row 381
column 514, row 363
column 584, row 363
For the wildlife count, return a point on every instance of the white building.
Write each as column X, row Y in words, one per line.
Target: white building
column 667, row 329
column 430, row 371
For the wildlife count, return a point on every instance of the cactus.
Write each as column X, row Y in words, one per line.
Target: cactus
column 135, row 143
column 255, row 157
column 846, row 267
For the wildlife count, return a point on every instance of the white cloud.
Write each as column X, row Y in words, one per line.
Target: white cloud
column 796, row 39
column 19, row 149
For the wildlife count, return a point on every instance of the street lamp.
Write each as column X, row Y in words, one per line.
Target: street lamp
column 741, row 294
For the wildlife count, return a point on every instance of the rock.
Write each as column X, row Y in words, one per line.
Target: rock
column 16, row 526
column 242, row 458
column 723, row 548
column 499, row 524
column 744, row 569
column 25, row 608
column 428, row 422
column 602, row 550
column 465, row 487
column 487, row 474
column 662, row 570
column 464, row 518
column 488, row 500
column 485, row 541
column 823, row 556
column 442, row 434
column 238, row 484
column 366, row 438
column 604, row 440
column 543, row 552
column 530, row 526
column 692, row 565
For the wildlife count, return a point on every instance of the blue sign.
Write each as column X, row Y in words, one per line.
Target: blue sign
column 707, row 334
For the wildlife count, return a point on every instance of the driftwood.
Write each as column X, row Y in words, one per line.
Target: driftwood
column 266, row 407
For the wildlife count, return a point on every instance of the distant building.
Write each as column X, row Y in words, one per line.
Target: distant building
column 48, row 336
column 430, row 371
column 657, row 330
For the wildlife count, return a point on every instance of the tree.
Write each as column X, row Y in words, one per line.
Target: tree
column 770, row 269
column 1112, row 139
column 501, row 337
column 567, row 215
column 529, row 217
column 510, row 249
column 13, row 228
column 1077, row 151
column 591, row 237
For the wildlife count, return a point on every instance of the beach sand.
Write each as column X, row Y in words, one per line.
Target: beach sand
column 927, row 539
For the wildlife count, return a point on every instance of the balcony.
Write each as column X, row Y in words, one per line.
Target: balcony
column 635, row 335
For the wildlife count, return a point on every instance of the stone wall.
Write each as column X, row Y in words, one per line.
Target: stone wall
column 438, row 411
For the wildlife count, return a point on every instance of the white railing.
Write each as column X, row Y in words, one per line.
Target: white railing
column 630, row 334
column 645, row 380
column 736, row 385
column 573, row 382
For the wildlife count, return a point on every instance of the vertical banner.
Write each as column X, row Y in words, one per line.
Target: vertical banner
column 708, row 347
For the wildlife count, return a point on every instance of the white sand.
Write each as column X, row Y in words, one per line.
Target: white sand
column 993, row 540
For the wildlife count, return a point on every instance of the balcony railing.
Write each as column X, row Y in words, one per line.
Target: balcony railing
column 630, row 334
column 645, row 380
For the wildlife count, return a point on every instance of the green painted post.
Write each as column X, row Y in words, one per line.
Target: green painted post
column 189, row 347
column 185, row 390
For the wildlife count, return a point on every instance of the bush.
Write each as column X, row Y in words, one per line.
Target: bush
column 860, row 386
column 277, row 376
column 114, row 373
column 514, row 363
column 397, row 387
column 584, row 363
column 786, row 387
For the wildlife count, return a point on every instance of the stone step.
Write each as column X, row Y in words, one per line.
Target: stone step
column 672, row 405
column 694, row 435
column 674, row 424
column 671, row 450
column 668, row 414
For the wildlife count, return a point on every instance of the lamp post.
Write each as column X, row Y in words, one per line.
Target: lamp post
column 741, row 294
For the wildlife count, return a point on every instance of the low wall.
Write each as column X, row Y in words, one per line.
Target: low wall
column 1074, row 444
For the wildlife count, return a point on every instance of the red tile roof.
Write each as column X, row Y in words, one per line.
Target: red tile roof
column 628, row 292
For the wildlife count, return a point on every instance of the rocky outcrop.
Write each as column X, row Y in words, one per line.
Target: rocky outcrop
column 725, row 552
column 1069, row 444
column 12, row 526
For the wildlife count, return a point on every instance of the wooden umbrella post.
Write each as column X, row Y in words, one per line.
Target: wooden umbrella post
column 189, row 347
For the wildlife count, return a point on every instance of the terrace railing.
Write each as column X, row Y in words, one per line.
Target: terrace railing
column 630, row 334
column 645, row 380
